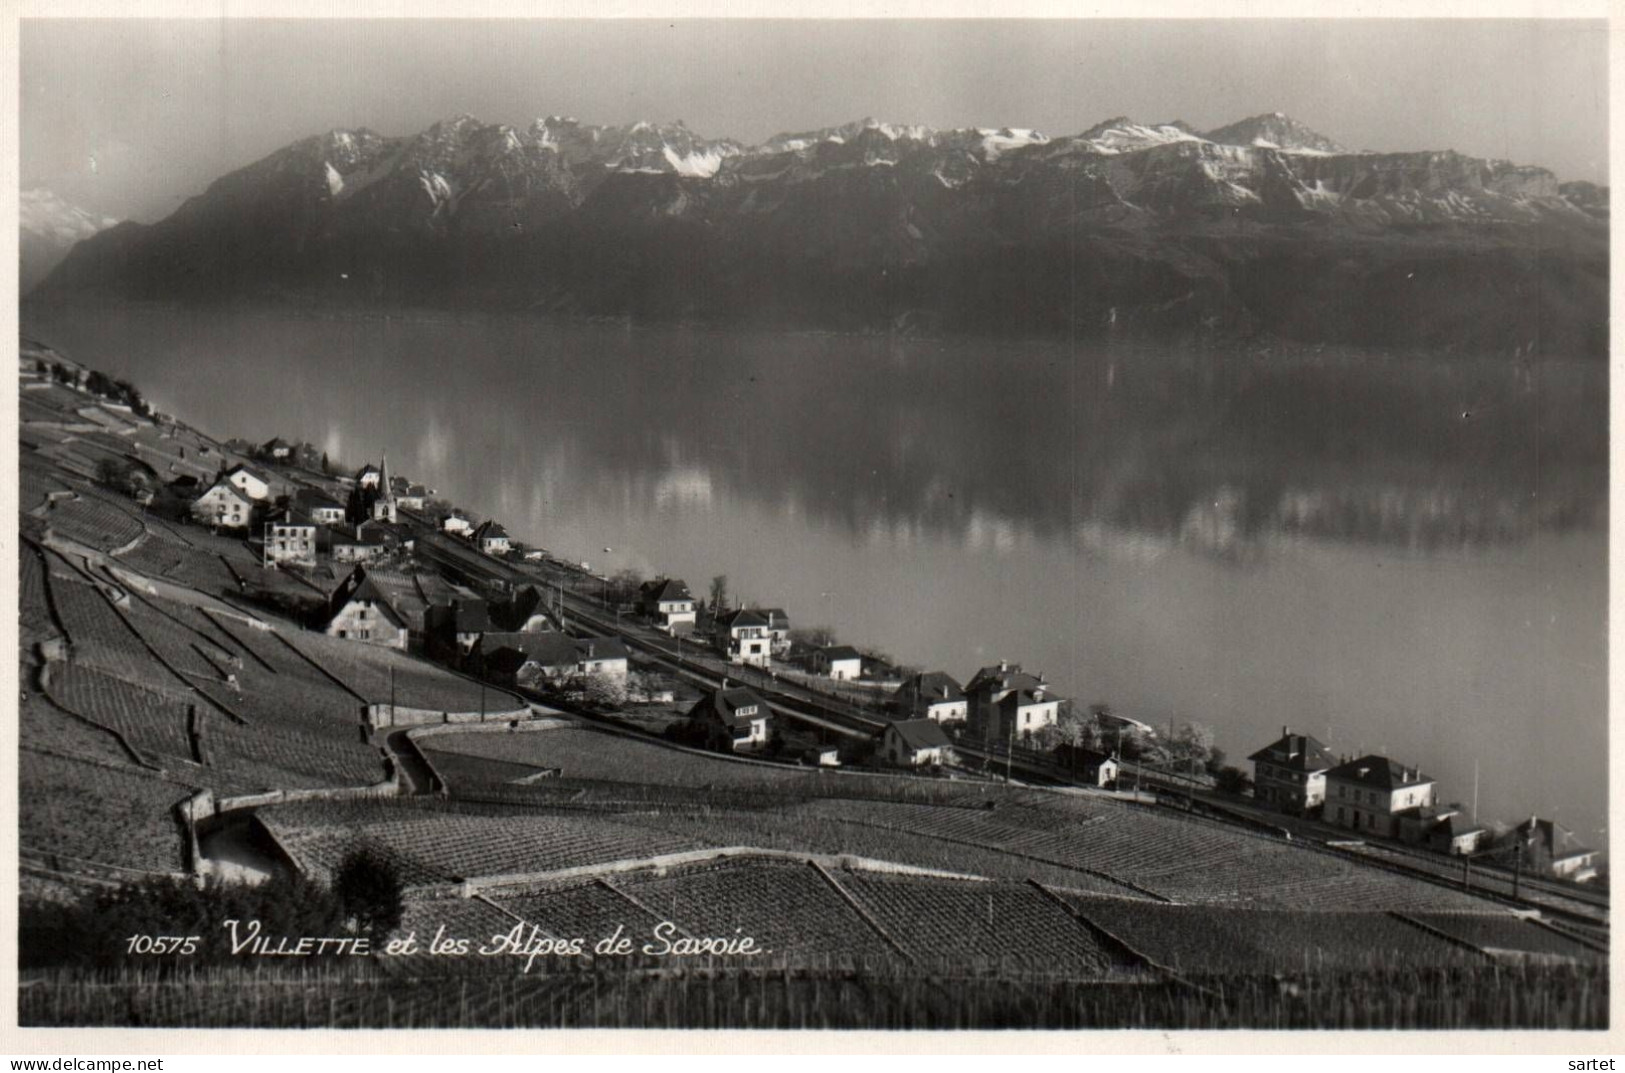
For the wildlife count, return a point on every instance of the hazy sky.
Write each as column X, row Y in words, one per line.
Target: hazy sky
column 129, row 118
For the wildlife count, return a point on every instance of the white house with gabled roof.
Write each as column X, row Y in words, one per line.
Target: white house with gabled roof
column 223, row 506
column 1368, row 794
column 249, row 482
column 667, row 604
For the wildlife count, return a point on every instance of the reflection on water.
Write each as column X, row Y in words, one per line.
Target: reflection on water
column 1406, row 550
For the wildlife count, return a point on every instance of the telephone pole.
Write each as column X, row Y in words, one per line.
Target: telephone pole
column 1010, row 750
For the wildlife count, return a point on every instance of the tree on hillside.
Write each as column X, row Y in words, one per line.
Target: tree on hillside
column 1075, row 729
column 1128, row 741
column 813, row 637
column 368, row 885
column 1233, row 780
column 123, row 476
column 597, row 691
column 624, row 585
column 359, row 508
column 1192, row 742
column 327, row 466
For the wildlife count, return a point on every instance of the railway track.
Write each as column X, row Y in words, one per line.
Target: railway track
column 816, row 709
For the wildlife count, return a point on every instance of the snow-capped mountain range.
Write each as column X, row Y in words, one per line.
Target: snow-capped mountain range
column 47, row 229
column 868, row 224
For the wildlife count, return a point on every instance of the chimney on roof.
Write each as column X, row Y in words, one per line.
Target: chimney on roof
column 1286, row 731
column 1004, row 666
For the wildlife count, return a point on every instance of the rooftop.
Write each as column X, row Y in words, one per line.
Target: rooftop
column 933, row 687
column 920, row 734
column 1299, row 752
column 666, row 589
column 1378, row 772
column 725, row 705
column 597, row 648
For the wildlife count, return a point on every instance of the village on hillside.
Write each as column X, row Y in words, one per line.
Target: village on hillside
column 195, row 612
column 388, row 561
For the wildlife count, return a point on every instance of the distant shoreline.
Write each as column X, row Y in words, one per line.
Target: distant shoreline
column 1127, row 340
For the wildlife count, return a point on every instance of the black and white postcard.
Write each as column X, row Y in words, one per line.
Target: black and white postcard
column 820, row 523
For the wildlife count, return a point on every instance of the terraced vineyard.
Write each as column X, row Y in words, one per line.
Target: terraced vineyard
column 593, row 754
column 303, row 730
column 1504, row 932
column 196, row 568
column 159, row 556
column 152, row 721
column 101, row 639
column 381, row 673
column 196, row 658
column 462, row 918
column 1209, row 939
column 1178, row 859
column 279, row 689
column 584, row 909
column 34, row 613
column 453, row 843
column 254, row 758
column 94, row 521
column 1497, row 881
column 786, row 906
column 1005, row 928
column 43, row 726
column 474, row 773
column 37, row 485
column 79, row 811
column 768, row 829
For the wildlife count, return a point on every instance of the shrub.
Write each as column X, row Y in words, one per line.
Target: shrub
column 368, row 885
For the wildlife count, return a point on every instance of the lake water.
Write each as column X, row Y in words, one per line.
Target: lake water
column 1398, row 554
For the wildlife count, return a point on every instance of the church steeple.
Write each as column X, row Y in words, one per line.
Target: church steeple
column 384, row 508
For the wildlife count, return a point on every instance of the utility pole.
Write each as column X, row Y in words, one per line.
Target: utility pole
column 1010, row 750
column 1475, row 789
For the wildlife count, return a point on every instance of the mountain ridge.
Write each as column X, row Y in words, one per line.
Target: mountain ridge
column 1260, row 226
column 48, row 227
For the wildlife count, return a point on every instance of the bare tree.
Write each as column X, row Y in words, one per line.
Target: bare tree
column 719, row 593
column 813, row 636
